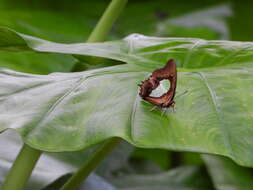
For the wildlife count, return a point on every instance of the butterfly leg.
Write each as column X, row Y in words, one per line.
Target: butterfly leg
column 173, row 105
column 153, row 108
column 163, row 111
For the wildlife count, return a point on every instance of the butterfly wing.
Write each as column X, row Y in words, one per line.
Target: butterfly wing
column 163, row 101
column 168, row 72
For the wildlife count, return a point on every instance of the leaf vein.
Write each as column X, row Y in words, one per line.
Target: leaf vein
column 214, row 101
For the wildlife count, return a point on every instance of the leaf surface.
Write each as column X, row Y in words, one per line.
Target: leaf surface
column 71, row 111
column 226, row 175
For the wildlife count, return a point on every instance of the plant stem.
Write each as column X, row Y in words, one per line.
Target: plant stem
column 98, row 34
column 21, row 168
column 105, row 23
column 100, row 31
column 90, row 164
column 27, row 157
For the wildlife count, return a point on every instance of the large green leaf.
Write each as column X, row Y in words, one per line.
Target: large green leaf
column 208, row 23
column 33, row 62
column 47, row 170
column 50, row 169
column 44, row 23
column 38, row 63
column 71, row 111
column 227, row 175
column 182, row 178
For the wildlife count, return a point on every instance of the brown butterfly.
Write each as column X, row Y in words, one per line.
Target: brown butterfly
column 166, row 100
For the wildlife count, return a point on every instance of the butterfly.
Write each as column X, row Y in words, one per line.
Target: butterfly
column 168, row 72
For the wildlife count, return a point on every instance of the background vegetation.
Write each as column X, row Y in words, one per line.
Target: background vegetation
column 151, row 161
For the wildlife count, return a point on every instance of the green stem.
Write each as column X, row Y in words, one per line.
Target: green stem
column 21, row 168
column 27, row 158
column 98, row 34
column 90, row 164
column 105, row 23
column 100, row 31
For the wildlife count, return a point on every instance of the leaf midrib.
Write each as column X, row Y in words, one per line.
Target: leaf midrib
column 214, row 102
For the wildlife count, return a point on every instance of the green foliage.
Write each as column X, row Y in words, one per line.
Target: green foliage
column 72, row 111
column 45, row 24
column 208, row 23
column 178, row 179
column 213, row 73
column 49, row 168
column 160, row 157
column 36, row 62
column 227, row 175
